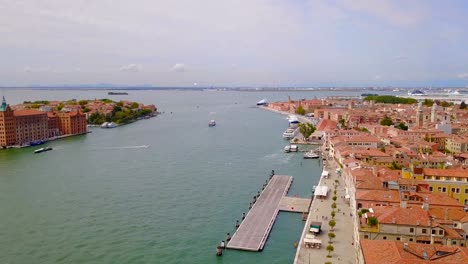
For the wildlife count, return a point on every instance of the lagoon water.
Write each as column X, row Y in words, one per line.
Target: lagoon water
column 162, row 190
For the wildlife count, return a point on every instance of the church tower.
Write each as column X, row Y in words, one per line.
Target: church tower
column 419, row 115
column 434, row 113
column 7, row 125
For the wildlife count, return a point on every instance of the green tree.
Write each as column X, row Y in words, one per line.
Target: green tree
column 333, row 214
column 83, row 102
column 334, row 198
column 363, row 129
column 134, row 105
column 300, row 110
column 86, row 110
column 60, row 106
column 306, row 129
column 332, row 224
column 463, row 105
column 331, row 235
column 386, row 121
column 372, row 221
column 390, row 99
column 402, row 126
column 428, row 102
column 330, row 249
column 333, row 205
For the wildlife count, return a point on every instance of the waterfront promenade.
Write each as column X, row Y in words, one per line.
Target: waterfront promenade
column 344, row 251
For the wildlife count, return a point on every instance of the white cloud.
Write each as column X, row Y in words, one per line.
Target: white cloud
column 131, row 68
column 178, row 67
column 463, row 75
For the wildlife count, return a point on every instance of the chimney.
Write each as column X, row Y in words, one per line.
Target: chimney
column 402, row 204
column 405, row 246
column 393, row 220
column 417, row 222
column 446, row 213
column 425, row 205
column 432, row 239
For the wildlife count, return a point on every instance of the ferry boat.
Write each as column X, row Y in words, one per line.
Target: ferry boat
column 263, row 102
column 311, row 155
column 212, row 123
column 290, row 133
column 42, row 150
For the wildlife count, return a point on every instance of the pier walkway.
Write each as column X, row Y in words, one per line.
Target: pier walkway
column 254, row 230
column 294, row 204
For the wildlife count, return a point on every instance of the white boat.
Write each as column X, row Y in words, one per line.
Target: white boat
column 262, row 102
column 42, row 150
column 290, row 133
column 294, row 148
column 293, row 120
column 416, row 93
column 108, row 125
column 212, row 123
column 287, row 149
column 311, row 155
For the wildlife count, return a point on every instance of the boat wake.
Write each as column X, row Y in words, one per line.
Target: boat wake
column 278, row 158
column 125, row 147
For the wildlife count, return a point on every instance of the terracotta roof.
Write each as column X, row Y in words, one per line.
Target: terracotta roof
column 446, row 172
column 28, row 112
column 451, row 214
column 378, row 195
column 394, row 252
column 414, row 216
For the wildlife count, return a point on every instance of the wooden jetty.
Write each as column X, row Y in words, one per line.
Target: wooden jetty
column 254, row 230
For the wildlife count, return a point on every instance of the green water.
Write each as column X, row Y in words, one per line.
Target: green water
column 105, row 198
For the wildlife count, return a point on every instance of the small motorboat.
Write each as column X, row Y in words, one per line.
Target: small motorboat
column 212, row 123
column 311, row 155
column 42, row 150
column 294, row 148
column 287, row 149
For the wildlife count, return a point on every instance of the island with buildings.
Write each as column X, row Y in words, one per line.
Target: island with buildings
column 399, row 171
column 33, row 123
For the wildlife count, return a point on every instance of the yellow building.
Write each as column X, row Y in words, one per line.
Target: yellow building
column 452, row 182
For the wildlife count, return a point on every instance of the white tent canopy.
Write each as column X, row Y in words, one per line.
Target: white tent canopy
column 321, row 191
column 325, row 174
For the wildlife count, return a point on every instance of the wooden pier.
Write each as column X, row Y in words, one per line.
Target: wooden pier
column 254, row 230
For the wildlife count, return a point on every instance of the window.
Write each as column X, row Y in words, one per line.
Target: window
column 411, row 240
column 434, row 232
column 398, row 238
column 384, row 238
column 441, row 232
column 424, row 230
column 444, row 189
column 430, row 188
column 437, row 178
column 454, row 242
column 411, row 230
column 366, row 236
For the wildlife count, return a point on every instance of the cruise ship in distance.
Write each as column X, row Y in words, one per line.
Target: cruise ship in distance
column 454, row 96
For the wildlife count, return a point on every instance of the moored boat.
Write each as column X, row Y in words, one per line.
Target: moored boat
column 263, row 102
column 290, row 133
column 311, row 155
column 212, row 123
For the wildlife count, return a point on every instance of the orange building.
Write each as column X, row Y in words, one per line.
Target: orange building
column 70, row 123
column 31, row 125
column 22, row 127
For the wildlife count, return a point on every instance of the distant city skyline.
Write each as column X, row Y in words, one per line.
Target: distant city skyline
column 234, row 43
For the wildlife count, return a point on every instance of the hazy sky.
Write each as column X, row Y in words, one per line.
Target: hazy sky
column 224, row 42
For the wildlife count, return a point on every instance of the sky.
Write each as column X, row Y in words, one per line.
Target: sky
column 303, row 43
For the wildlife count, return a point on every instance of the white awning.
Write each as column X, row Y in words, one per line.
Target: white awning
column 314, row 229
column 312, row 241
column 325, row 174
column 321, row 191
